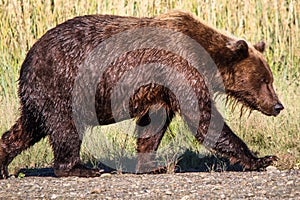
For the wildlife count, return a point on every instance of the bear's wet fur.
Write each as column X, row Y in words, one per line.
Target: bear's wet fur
column 50, row 68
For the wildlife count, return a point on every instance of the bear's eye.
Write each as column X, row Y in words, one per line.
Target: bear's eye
column 264, row 80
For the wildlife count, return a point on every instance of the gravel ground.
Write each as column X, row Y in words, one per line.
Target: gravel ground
column 271, row 184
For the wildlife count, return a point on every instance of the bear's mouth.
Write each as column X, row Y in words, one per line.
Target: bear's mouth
column 240, row 98
column 255, row 106
column 250, row 105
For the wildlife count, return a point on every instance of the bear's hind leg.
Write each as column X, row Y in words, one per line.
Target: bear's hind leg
column 150, row 132
column 66, row 142
column 14, row 142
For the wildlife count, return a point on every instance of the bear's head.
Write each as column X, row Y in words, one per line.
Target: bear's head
column 250, row 80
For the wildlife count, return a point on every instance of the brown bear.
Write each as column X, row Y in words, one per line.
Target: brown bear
column 47, row 89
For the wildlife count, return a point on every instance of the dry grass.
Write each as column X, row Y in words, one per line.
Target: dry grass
column 275, row 22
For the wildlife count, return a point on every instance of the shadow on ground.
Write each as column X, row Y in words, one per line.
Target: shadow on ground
column 193, row 162
column 188, row 162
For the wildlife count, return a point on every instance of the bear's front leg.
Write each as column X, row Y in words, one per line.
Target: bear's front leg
column 233, row 147
column 150, row 130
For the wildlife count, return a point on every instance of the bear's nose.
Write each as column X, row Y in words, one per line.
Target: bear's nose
column 278, row 107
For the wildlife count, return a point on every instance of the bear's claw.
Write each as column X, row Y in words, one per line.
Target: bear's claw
column 260, row 163
column 266, row 161
column 79, row 171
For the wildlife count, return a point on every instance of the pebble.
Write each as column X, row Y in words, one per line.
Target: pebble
column 96, row 191
column 185, row 197
column 290, row 183
column 53, row 196
column 168, row 192
column 106, row 175
column 272, row 169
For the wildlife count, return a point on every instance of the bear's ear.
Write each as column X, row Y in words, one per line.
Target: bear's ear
column 240, row 48
column 260, row 46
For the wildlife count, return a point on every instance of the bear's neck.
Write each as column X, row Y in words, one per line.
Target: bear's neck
column 212, row 40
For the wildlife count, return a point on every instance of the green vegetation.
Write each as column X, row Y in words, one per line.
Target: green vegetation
column 275, row 22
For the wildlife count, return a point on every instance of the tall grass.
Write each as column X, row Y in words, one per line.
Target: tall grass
column 275, row 22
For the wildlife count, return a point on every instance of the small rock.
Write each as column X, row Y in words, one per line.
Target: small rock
column 272, row 169
column 97, row 191
column 53, row 196
column 185, row 197
column 106, row 175
column 263, row 192
column 290, row 183
column 11, row 177
column 168, row 192
column 250, row 195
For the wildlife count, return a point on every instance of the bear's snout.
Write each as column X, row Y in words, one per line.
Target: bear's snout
column 277, row 108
